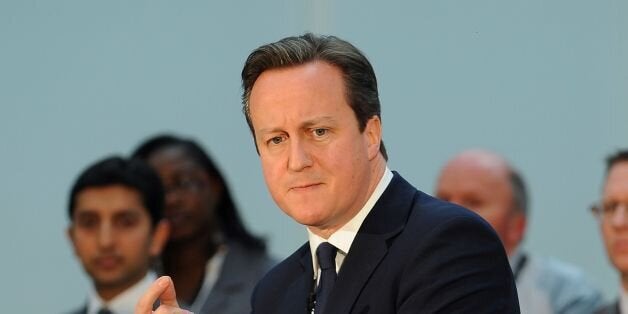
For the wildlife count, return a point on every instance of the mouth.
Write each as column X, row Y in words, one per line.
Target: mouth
column 305, row 187
column 621, row 245
column 108, row 262
column 176, row 217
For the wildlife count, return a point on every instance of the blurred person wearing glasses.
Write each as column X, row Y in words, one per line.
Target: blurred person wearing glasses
column 212, row 258
column 612, row 214
column 486, row 183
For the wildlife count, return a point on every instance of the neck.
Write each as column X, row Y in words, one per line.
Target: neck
column 185, row 262
column 108, row 292
column 624, row 281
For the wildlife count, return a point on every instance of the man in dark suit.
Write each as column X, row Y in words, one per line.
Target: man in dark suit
column 612, row 214
column 376, row 244
column 116, row 229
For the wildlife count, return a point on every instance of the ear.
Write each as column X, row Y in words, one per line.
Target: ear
column 517, row 228
column 159, row 238
column 373, row 134
column 69, row 232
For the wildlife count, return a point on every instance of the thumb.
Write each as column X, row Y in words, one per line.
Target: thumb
column 163, row 290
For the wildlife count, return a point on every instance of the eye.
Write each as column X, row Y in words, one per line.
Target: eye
column 320, row 132
column 610, row 207
column 126, row 220
column 276, row 140
column 87, row 221
column 473, row 203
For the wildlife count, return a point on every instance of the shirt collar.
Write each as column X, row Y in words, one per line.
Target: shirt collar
column 124, row 302
column 212, row 272
column 623, row 300
column 515, row 256
column 343, row 237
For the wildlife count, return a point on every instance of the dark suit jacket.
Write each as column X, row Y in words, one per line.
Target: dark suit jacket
column 612, row 308
column 241, row 270
column 412, row 254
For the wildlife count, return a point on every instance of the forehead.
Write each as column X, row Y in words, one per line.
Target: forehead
column 314, row 83
column 109, row 200
column 470, row 177
column 173, row 159
column 617, row 180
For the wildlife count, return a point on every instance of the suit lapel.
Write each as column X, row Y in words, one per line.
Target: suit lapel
column 298, row 295
column 386, row 219
column 355, row 272
column 228, row 283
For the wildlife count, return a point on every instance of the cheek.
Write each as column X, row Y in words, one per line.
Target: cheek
column 271, row 172
column 343, row 157
column 83, row 243
column 607, row 236
column 138, row 247
column 496, row 219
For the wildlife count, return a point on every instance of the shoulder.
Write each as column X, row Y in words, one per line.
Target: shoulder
column 280, row 279
column 430, row 215
column 247, row 259
column 422, row 218
column 567, row 285
column 402, row 204
column 289, row 267
column 445, row 245
column 611, row 308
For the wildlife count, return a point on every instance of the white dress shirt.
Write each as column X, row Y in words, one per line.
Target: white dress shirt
column 212, row 272
column 343, row 237
column 546, row 285
column 125, row 302
column 623, row 300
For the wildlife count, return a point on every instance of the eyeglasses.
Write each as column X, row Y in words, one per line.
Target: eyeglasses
column 604, row 211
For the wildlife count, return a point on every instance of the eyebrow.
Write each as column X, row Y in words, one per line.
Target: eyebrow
column 318, row 120
column 306, row 124
column 119, row 211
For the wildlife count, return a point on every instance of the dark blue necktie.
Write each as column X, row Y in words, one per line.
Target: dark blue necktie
column 104, row 310
column 326, row 254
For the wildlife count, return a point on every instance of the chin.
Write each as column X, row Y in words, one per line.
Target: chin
column 109, row 280
column 621, row 263
column 308, row 219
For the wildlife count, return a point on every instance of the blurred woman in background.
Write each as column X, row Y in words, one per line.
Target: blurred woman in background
column 212, row 258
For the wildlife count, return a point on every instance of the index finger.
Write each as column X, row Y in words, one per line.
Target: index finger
column 162, row 289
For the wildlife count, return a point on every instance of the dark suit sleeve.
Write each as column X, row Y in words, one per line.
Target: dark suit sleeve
column 463, row 269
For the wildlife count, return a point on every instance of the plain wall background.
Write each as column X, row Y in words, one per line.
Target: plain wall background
column 543, row 82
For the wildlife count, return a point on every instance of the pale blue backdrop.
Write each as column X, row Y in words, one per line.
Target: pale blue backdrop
column 543, row 82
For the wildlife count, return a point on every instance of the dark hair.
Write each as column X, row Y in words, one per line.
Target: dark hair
column 359, row 77
column 519, row 192
column 132, row 173
column 619, row 156
column 229, row 220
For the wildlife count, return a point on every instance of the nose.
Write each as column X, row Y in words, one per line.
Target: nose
column 105, row 235
column 299, row 158
column 619, row 218
column 172, row 197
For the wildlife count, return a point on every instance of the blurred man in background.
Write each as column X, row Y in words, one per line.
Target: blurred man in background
column 116, row 229
column 612, row 214
column 487, row 184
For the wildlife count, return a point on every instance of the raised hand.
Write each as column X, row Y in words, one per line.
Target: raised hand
column 163, row 290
